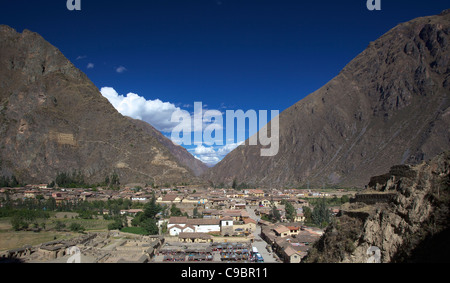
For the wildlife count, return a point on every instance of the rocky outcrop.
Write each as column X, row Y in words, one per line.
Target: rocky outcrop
column 413, row 226
column 388, row 106
column 53, row 119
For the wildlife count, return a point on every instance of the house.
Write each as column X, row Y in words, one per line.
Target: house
column 132, row 212
column 239, row 206
column 256, row 193
column 191, row 237
column 177, row 225
column 30, row 194
column 290, row 255
column 205, row 225
column 235, row 214
column 265, row 202
column 196, row 199
column 293, row 230
column 226, row 226
column 217, row 201
column 169, row 199
column 290, row 250
column 252, row 201
column 56, row 195
column 176, row 230
column 212, row 213
column 85, row 195
column 281, row 231
column 139, row 198
column 300, row 217
column 247, row 226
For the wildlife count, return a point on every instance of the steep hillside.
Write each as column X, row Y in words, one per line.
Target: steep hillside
column 388, row 106
column 405, row 215
column 54, row 119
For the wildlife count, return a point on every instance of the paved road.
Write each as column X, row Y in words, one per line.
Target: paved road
column 259, row 243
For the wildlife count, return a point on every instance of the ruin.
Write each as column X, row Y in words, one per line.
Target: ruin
column 374, row 198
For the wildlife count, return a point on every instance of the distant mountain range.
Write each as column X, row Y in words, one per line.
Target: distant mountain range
column 53, row 119
column 388, row 106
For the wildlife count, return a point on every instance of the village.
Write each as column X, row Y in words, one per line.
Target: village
column 213, row 225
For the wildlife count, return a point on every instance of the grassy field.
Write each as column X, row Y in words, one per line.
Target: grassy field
column 134, row 230
column 13, row 240
column 10, row 239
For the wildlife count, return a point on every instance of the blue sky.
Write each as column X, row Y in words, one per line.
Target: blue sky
column 154, row 56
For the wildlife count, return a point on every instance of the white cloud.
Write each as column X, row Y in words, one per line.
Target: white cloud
column 203, row 150
column 208, row 160
column 154, row 112
column 224, row 150
column 159, row 115
column 90, row 66
column 121, row 69
column 211, row 156
column 206, row 154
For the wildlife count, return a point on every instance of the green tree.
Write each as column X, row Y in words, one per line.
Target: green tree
column 76, row 227
column 175, row 211
column 59, row 226
column 195, row 212
column 13, row 183
column 345, row 199
column 116, row 225
column 307, row 214
column 17, row 222
column 234, row 186
column 275, row 214
column 321, row 214
column 151, row 227
column 290, row 211
column 151, row 209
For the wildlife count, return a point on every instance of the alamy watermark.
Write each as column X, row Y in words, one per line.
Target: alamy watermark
column 207, row 127
column 76, row 5
column 73, row 5
column 75, row 254
column 373, row 5
column 374, row 254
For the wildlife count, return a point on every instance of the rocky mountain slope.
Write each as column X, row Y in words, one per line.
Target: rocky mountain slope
column 403, row 216
column 54, row 119
column 388, row 106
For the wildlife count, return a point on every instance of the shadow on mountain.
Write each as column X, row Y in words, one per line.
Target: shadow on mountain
column 434, row 249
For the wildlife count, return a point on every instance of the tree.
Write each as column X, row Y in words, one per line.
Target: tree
column 59, row 226
column 175, row 211
column 164, row 228
column 234, row 186
column 150, row 227
column 290, row 211
column 151, row 209
column 116, row 225
column 138, row 219
column 307, row 214
column 345, row 199
column 76, row 227
column 17, row 222
column 275, row 214
column 13, row 183
column 195, row 212
column 147, row 219
column 321, row 214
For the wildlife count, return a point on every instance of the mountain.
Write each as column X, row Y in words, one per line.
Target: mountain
column 403, row 216
column 53, row 119
column 390, row 105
